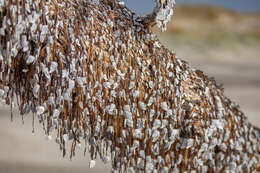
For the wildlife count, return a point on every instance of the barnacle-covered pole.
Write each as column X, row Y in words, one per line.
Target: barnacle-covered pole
column 93, row 73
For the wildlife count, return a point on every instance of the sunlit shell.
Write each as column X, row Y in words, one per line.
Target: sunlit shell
column 40, row 110
column 92, row 164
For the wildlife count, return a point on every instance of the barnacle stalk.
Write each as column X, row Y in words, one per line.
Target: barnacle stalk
column 92, row 76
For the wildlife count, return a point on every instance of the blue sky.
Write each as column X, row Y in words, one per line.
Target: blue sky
column 143, row 6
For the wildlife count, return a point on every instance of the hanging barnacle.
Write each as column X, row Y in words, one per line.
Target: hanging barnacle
column 93, row 72
column 160, row 16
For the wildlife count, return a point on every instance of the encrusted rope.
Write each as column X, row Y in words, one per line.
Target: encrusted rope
column 94, row 73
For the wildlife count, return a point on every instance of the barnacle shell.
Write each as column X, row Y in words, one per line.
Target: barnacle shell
column 92, row 164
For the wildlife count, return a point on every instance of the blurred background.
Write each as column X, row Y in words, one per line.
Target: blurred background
column 144, row 6
column 220, row 37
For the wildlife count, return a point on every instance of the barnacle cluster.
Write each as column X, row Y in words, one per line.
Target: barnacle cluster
column 160, row 15
column 92, row 74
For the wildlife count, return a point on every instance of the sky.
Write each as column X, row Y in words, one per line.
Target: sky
column 144, row 6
